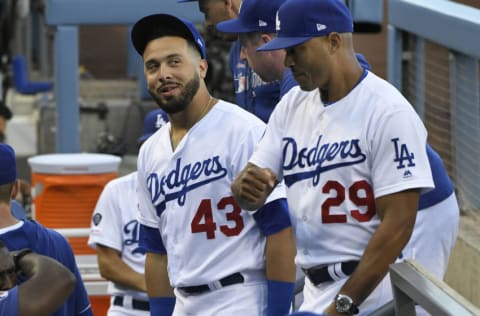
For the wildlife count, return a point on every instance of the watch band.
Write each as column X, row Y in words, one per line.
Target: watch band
column 345, row 304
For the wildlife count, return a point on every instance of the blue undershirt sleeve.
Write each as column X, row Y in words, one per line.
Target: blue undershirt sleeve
column 151, row 240
column 273, row 217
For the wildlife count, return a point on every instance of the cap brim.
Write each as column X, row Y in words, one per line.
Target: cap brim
column 234, row 26
column 283, row 42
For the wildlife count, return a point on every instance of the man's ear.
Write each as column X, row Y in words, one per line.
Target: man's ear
column 15, row 189
column 265, row 38
column 335, row 41
column 232, row 7
column 203, row 68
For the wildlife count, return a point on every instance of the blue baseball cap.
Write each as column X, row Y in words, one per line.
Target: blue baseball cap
column 152, row 122
column 157, row 25
column 8, row 164
column 300, row 20
column 254, row 16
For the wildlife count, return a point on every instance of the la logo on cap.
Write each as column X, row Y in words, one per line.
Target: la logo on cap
column 277, row 23
column 160, row 121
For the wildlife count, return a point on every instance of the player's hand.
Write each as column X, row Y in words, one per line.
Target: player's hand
column 252, row 186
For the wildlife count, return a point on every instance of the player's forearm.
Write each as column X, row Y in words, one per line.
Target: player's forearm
column 156, row 275
column 280, row 256
column 114, row 269
column 383, row 249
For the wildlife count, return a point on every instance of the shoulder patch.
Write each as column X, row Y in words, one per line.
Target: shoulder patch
column 97, row 218
column 3, row 294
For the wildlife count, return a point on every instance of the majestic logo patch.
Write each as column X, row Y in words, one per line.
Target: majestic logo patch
column 97, row 218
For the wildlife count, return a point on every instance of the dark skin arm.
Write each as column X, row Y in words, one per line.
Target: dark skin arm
column 113, row 268
column 398, row 213
column 49, row 285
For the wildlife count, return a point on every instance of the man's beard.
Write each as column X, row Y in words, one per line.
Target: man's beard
column 179, row 103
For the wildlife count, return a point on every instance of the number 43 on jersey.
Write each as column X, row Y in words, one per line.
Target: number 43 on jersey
column 203, row 221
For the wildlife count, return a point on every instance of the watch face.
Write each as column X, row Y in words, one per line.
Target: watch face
column 343, row 303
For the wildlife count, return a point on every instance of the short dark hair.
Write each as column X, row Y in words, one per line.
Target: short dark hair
column 5, row 192
column 5, row 111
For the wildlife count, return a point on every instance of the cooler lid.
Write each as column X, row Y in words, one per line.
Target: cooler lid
column 83, row 163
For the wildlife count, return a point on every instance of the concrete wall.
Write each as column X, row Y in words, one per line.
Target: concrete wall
column 463, row 272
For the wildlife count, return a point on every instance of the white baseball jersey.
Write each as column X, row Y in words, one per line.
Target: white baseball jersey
column 186, row 195
column 115, row 225
column 337, row 159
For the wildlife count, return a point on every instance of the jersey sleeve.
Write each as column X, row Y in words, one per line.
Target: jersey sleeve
column 9, row 302
column 79, row 303
column 273, row 217
column 105, row 226
column 399, row 157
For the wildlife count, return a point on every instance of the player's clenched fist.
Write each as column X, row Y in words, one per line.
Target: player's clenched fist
column 252, row 186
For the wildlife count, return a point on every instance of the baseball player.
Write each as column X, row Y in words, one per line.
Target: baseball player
column 29, row 234
column 31, row 297
column 114, row 234
column 251, row 92
column 216, row 258
column 255, row 26
column 438, row 208
column 351, row 151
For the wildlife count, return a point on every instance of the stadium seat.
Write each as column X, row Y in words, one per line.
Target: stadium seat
column 21, row 80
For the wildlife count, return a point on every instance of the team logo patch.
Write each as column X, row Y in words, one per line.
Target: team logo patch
column 403, row 157
column 97, row 218
column 3, row 294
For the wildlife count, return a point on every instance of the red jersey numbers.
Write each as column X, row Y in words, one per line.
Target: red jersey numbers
column 204, row 222
column 360, row 194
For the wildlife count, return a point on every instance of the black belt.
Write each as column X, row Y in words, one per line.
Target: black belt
column 228, row 280
column 320, row 275
column 136, row 304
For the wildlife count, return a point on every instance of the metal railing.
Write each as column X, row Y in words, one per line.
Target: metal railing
column 413, row 285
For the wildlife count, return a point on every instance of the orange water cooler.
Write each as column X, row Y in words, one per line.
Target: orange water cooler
column 65, row 189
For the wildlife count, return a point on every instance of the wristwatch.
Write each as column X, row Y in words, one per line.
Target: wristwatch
column 344, row 304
